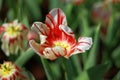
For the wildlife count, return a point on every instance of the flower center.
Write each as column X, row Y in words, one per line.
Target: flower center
column 6, row 69
column 13, row 31
column 62, row 44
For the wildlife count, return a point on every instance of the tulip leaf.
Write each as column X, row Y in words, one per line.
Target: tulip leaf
column 98, row 72
column 76, row 64
column 28, row 75
column 33, row 9
column 94, row 73
column 25, row 21
column 55, row 67
column 116, row 56
column 83, row 76
column 69, row 69
column 24, row 57
column 93, row 52
column 112, row 31
column 84, row 22
column 47, row 69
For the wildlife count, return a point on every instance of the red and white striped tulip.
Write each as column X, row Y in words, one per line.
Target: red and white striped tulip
column 56, row 38
column 9, row 71
column 13, row 35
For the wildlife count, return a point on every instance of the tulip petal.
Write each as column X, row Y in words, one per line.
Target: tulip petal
column 2, row 29
column 41, row 28
column 42, row 39
column 55, row 17
column 37, row 47
column 53, row 53
column 49, row 54
column 66, row 29
column 84, row 43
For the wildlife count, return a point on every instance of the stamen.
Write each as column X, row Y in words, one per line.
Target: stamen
column 62, row 44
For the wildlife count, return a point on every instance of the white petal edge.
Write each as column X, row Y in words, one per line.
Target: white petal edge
column 66, row 29
column 84, row 43
column 54, row 13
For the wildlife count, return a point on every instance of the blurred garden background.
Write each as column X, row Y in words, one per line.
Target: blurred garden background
column 99, row 19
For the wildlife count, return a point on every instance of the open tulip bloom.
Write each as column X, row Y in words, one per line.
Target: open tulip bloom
column 56, row 38
column 13, row 35
column 9, row 71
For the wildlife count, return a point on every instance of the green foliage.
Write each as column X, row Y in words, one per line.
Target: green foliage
column 94, row 73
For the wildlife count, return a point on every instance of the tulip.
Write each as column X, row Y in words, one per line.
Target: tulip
column 56, row 38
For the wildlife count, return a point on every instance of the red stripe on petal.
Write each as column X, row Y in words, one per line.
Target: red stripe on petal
column 71, row 51
column 65, row 51
column 48, row 24
column 57, row 55
column 79, row 49
column 84, row 42
column 51, row 19
column 38, row 29
column 12, row 40
column 13, row 77
column 59, row 17
column 43, row 27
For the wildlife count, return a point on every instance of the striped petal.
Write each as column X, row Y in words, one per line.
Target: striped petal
column 37, row 47
column 41, row 28
column 53, row 53
column 84, row 43
column 66, row 30
column 55, row 17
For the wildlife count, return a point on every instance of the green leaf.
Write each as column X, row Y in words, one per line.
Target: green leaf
column 24, row 57
column 56, row 69
column 83, row 76
column 112, row 30
column 25, row 21
column 76, row 64
column 33, row 9
column 98, row 72
column 28, row 75
column 69, row 69
column 94, row 73
column 47, row 69
column 84, row 22
column 116, row 56
column 93, row 52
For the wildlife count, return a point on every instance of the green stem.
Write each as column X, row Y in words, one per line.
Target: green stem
column 24, row 57
column 76, row 64
column 68, row 68
column 47, row 69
